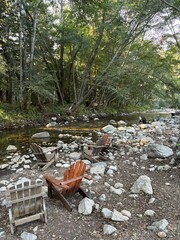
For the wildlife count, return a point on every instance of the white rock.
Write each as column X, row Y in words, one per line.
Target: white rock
column 159, row 151
column 119, row 217
column 19, row 170
column 28, row 236
column 126, row 213
column 106, row 213
column 102, row 198
column 2, row 189
column 130, row 130
column 11, row 148
column 86, row 206
column 161, row 234
column 143, row 183
column 51, row 124
column 121, row 123
column 118, row 185
column 151, row 200
column 75, row 155
column 4, row 182
column 98, row 168
column 108, row 229
column 144, row 157
column 109, row 129
column 163, row 167
column 41, row 135
column 110, row 172
column 149, row 213
column 118, row 191
column 3, row 166
column 161, row 225
column 58, row 165
column 26, row 166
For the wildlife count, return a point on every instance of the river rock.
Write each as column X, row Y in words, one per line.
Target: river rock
column 161, row 225
column 51, row 124
column 86, row 206
column 98, row 168
column 28, row 236
column 121, row 123
column 118, row 216
column 143, row 183
column 159, row 151
column 41, row 135
column 11, row 148
column 109, row 129
column 108, row 229
column 75, row 155
column 106, row 213
column 149, row 213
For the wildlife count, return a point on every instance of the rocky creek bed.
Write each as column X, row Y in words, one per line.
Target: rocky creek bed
column 135, row 194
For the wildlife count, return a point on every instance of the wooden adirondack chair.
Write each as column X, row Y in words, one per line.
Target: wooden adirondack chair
column 69, row 184
column 25, row 203
column 94, row 152
column 43, row 157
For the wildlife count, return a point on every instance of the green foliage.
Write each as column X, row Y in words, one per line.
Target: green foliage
column 71, row 56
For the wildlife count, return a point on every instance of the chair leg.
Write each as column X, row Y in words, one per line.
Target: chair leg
column 11, row 221
column 82, row 192
column 50, row 190
column 63, row 199
column 45, row 211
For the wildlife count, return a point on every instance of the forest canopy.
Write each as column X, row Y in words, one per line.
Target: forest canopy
column 99, row 52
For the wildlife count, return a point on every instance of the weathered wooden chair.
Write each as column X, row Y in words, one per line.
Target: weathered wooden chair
column 46, row 157
column 25, row 203
column 69, row 184
column 94, row 152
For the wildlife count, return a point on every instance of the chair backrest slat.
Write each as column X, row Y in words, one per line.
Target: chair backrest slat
column 38, row 152
column 25, row 198
column 77, row 169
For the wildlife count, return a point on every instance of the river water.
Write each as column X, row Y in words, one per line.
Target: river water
column 21, row 138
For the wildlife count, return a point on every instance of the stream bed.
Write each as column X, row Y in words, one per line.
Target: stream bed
column 21, row 137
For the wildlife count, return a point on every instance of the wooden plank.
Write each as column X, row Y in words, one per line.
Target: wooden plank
column 13, row 197
column 48, row 164
column 20, row 195
column 38, row 202
column 28, row 219
column 26, row 197
column 26, row 186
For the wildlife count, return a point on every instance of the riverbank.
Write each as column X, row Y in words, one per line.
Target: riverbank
column 12, row 118
column 136, row 154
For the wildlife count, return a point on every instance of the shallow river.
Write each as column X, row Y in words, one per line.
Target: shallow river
column 21, row 138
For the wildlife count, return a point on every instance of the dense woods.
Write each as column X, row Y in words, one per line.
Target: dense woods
column 72, row 53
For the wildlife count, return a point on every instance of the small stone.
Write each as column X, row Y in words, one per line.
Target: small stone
column 102, row 198
column 126, row 213
column 106, row 213
column 108, row 229
column 161, row 234
column 149, row 213
column 151, row 200
column 119, row 217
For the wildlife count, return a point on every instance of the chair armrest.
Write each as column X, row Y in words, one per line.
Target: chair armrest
column 51, row 150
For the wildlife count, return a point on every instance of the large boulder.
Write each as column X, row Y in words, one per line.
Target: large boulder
column 159, row 151
column 41, row 135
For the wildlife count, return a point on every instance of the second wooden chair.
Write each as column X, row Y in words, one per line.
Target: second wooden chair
column 69, row 184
